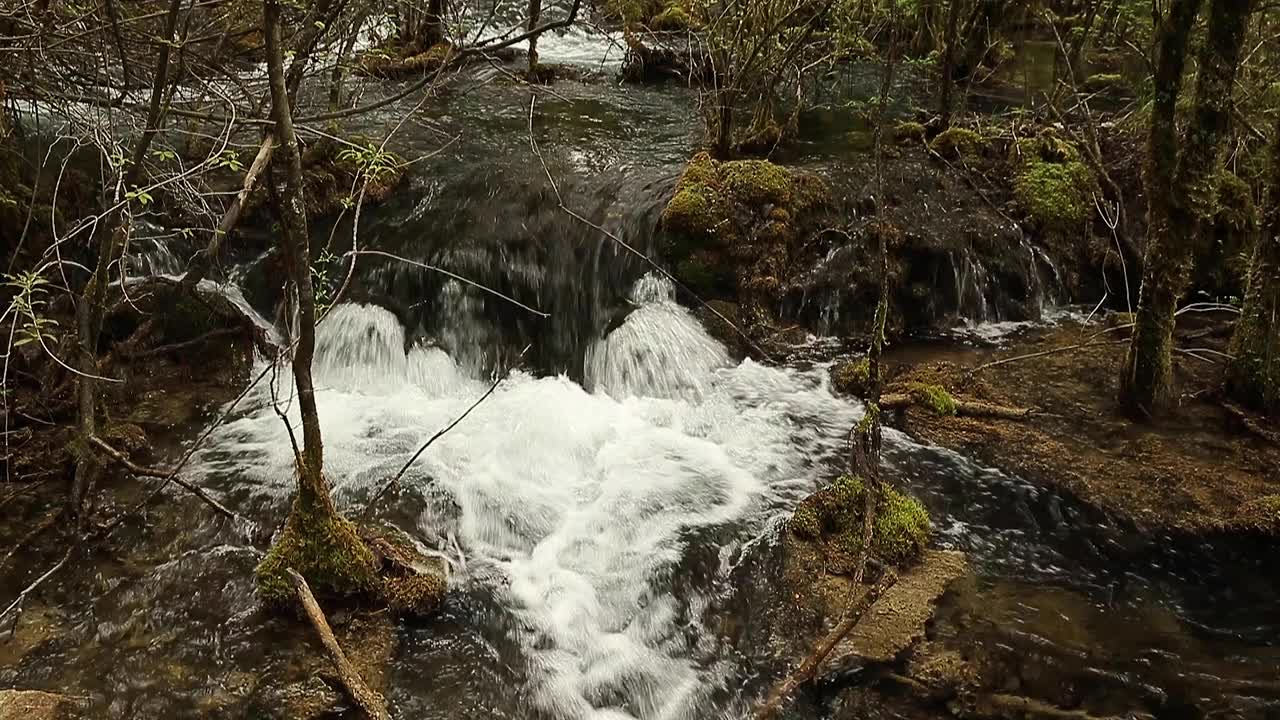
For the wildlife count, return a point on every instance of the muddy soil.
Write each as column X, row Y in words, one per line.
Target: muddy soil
column 1196, row 470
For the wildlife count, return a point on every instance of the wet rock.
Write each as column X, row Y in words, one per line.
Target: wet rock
column 731, row 230
column 413, row 584
column 654, row 56
column 898, row 618
column 34, row 705
column 720, row 318
column 305, row 700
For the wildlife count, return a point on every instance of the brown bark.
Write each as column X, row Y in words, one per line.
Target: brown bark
column 92, row 304
column 204, row 259
column 295, row 243
column 1178, row 188
column 360, row 693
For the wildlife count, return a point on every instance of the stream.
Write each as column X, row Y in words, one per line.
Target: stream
column 595, row 508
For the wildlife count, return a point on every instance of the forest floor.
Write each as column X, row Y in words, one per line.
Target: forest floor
column 1202, row 468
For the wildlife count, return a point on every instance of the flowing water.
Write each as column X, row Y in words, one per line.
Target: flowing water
column 597, row 508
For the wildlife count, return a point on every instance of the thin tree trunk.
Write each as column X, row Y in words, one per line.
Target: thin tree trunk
column 92, row 304
column 949, row 63
column 295, row 243
column 1176, row 207
column 1253, row 377
column 535, row 14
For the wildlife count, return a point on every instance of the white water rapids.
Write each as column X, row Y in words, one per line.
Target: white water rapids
column 572, row 507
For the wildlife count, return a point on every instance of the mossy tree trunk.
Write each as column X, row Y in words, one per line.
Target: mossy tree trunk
column 1179, row 188
column 316, row 541
column 1253, row 377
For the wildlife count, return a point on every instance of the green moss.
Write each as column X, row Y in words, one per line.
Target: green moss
column 1234, row 208
column 1055, row 197
column 1046, row 147
column 325, row 549
column 672, row 19
column 958, row 143
column 834, row 515
column 1107, row 84
column 935, row 397
column 1261, row 515
column 908, row 133
column 852, row 377
column 756, row 182
column 417, row 595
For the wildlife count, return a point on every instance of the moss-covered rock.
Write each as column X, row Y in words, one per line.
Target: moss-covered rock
column 1112, row 84
column 325, row 549
column 832, row 520
column 958, row 144
column 852, row 377
column 729, row 227
column 908, row 133
column 674, row 19
column 1053, row 186
column 1261, row 515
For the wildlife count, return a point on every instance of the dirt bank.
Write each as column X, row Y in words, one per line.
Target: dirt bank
column 1199, row 470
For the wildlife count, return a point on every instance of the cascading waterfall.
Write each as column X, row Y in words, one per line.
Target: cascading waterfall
column 573, row 507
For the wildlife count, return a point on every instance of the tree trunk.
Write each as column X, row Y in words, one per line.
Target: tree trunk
column 949, row 63
column 295, row 243
column 1177, row 188
column 979, row 34
column 535, row 14
column 316, row 540
column 1253, row 377
column 91, row 306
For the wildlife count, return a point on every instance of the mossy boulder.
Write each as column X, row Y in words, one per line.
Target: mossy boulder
column 908, row 133
column 674, row 19
column 1111, row 84
column 324, row 548
column 829, row 523
column 958, row 144
column 730, row 227
column 852, row 377
column 1053, row 187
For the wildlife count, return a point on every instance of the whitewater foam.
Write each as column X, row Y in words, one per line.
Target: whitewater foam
column 573, row 507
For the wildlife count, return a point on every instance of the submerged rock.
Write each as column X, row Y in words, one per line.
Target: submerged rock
column 897, row 620
column 34, row 705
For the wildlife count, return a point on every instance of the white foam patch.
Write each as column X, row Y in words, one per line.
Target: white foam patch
column 574, row 506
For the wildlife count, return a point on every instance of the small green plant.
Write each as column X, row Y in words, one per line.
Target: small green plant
column 322, row 279
column 370, row 160
column 140, row 196
column 228, row 159
column 30, row 298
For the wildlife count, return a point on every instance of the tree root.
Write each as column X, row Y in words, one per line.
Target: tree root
column 360, row 693
column 1251, row 424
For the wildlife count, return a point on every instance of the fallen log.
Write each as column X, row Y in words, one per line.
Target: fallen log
column 360, row 693
column 967, row 408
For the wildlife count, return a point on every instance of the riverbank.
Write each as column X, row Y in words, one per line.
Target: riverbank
column 1198, row 471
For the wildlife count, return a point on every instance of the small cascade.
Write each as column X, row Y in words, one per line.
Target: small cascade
column 972, row 285
column 660, row 350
